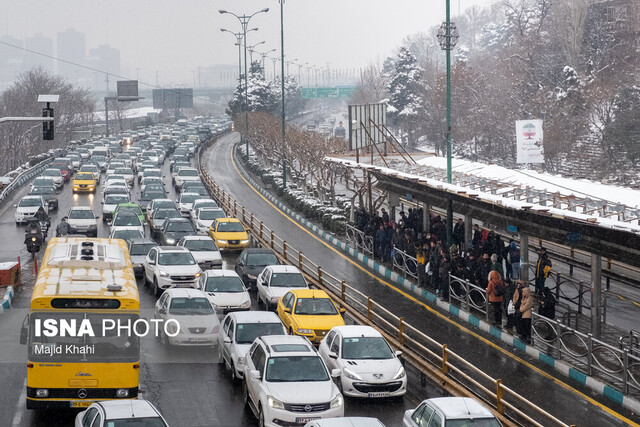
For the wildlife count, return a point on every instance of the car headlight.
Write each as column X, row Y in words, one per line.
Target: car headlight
column 245, row 241
column 246, row 304
column 275, row 299
column 304, row 331
column 400, row 374
column 170, row 241
column 198, row 274
column 275, row 403
column 337, row 402
column 92, row 226
column 172, row 328
column 163, row 274
column 252, row 277
column 42, row 392
column 224, row 242
column 351, row 375
column 122, row 392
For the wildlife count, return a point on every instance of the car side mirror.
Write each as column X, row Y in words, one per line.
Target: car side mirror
column 287, row 310
column 162, row 311
column 97, row 217
column 151, row 262
column 24, row 332
column 343, row 310
column 333, row 355
column 255, row 375
column 335, row 373
column 398, row 353
column 227, row 340
column 102, row 203
column 15, row 206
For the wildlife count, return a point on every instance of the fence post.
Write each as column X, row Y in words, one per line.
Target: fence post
column 243, row 217
column 625, row 373
column 579, row 297
column 224, row 195
column 284, row 249
column 401, row 331
column 251, row 221
column 499, row 393
column 445, row 359
column 343, row 290
column 320, row 275
column 300, row 264
column 272, row 237
column 558, row 345
column 261, row 228
column 369, row 309
column 589, row 354
column 235, row 207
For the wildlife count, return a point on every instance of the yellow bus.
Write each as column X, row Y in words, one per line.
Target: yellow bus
column 79, row 347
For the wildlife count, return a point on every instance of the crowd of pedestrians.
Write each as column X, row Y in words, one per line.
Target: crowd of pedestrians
column 486, row 262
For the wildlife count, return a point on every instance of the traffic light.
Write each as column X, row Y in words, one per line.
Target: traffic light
column 47, row 127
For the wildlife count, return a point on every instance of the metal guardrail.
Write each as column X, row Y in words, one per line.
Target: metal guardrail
column 23, row 178
column 418, row 347
column 469, row 296
column 359, row 240
column 619, row 365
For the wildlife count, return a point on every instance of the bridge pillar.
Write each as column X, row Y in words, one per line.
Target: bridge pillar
column 524, row 256
column 596, row 295
column 394, row 200
column 468, row 232
column 426, row 217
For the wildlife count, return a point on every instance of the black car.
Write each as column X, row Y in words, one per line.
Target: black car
column 175, row 229
column 252, row 261
column 159, row 216
column 49, row 194
column 148, row 195
column 138, row 250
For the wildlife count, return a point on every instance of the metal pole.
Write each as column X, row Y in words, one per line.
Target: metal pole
column 284, row 162
column 240, row 61
column 596, row 295
column 246, row 89
column 449, row 201
column 106, row 115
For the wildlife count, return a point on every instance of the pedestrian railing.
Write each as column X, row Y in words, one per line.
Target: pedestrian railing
column 405, row 263
column 359, row 240
column 620, row 366
column 418, row 348
column 468, row 296
column 631, row 342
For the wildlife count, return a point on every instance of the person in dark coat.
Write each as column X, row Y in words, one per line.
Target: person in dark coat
column 547, row 306
column 458, row 234
column 379, row 241
column 444, row 268
column 477, row 237
column 543, row 268
column 484, row 268
column 389, row 237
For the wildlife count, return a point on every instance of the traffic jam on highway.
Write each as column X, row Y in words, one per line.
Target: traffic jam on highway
column 284, row 342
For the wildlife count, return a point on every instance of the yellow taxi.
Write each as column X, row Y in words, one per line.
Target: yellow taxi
column 229, row 234
column 309, row 313
column 84, row 182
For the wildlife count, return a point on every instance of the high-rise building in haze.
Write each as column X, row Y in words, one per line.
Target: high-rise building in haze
column 10, row 61
column 70, row 47
column 41, row 44
column 106, row 59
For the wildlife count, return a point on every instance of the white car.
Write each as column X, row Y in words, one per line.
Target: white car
column 150, row 180
column 56, row 175
column 239, row 331
column 127, row 220
column 185, row 202
column 127, row 173
column 186, row 174
column 115, row 180
column 444, row 411
column 202, row 218
column 82, row 220
column 368, row 365
column 225, row 290
column 346, row 422
column 170, row 266
column 123, row 412
column 192, row 311
column 27, row 208
column 111, row 202
column 277, row 280
column 204, row 250
column 126, row 233
column 159, row 204
column 287, row 383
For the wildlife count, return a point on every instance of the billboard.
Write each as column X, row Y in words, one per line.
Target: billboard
column 363, row 120
column 529, row 139
column 127, row 88
column 170, row 99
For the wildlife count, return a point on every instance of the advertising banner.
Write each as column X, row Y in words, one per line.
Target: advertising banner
column 529, row 137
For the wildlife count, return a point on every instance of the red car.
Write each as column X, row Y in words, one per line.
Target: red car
column 66, row 173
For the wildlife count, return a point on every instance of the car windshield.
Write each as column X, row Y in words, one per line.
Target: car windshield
column 42, row 181
column 123, row 171
column 296, row 369
column 84, row 177
column 193, row 186
column 287, row 280
column 229, row 227
column 180, row 226
column 89, row 169
column 231, row 284
column 152, row 172
column 159, row 204
column 201, row 245
column 262, row 259
column 150, row 195
column 43, row 190
column 51, row 172
column 473, row 422
column 81, row 214
column 184, row 306
column 211, row 215
column 166, row 213
column 115, row 199
column 188, row 172
column 176, row 258
column 98, row 158
column 141, row 248
column 365, row 348
column 30, row 202
column 315, row 307
column 189, row 198
column 127, row 220
column 127, row 234
column 205, row 204
column 131, row 210
column 246, row 333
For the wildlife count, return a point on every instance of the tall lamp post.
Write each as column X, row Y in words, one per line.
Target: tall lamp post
column 238, row 37
column 251, row 49
column 284, row 159
column 263, row 55
column 447, row 38
column 244, row 21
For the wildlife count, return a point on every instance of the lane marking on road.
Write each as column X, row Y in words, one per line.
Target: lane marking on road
column 17, row 417
column 435, row 312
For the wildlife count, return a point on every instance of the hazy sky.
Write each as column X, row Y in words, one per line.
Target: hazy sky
column 176, row 36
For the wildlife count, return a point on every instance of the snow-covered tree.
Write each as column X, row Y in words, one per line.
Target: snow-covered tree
column 294, row 104
column 407, row 92
column 261, row 95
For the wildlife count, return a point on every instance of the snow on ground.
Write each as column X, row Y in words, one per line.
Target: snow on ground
column 129, row 114
column 540, row 181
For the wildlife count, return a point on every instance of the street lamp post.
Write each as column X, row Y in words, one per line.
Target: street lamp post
column 252, row 48
column 244, row 21
column 447, row 38
column 238, row 43
column 284, row 160
column 264, row 55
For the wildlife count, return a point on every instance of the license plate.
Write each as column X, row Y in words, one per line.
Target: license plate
column 80, row 404
column 306, row 419
column 378, row 394
column 196, row 339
